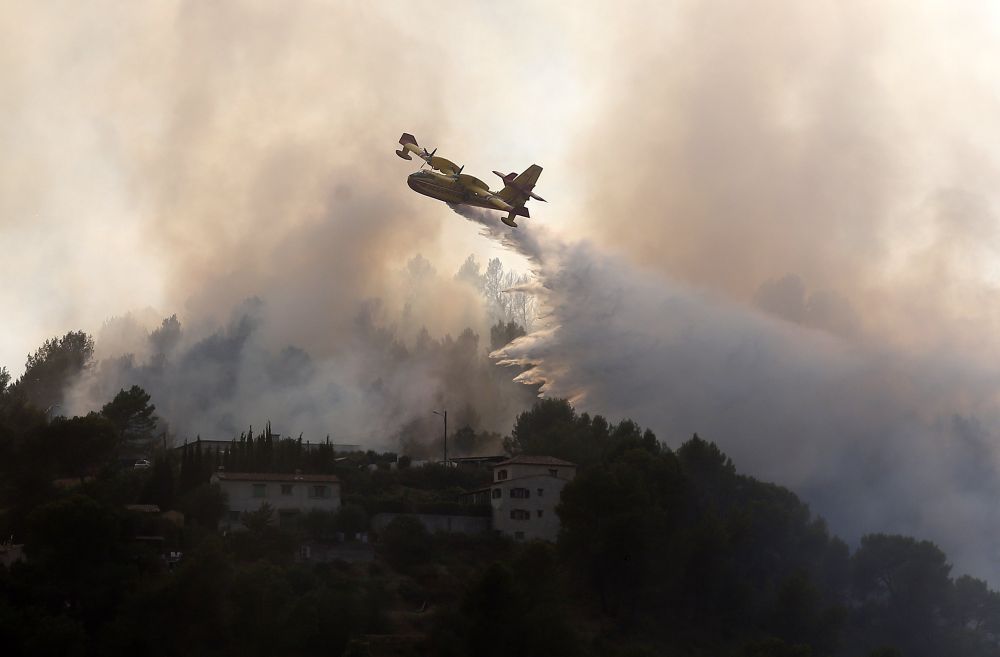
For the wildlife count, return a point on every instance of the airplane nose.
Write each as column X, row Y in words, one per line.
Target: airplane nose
column 414, row 181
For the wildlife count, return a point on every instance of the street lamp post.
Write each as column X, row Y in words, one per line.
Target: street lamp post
column 444, row 414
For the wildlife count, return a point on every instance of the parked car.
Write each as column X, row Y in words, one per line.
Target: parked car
column 141, row 464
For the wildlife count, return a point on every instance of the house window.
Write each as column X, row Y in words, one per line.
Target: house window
column 260, row 490
column 539, row 513
column 501, row 475
column 286, row 489
column 234, row 516
column 319, row 491
column 497, row 493
column 520, row 493
column 518, row 536
column 553, row 472
column 519, row 514
column 541, row 491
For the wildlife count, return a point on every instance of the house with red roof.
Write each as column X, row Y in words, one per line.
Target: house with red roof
column 290, row 495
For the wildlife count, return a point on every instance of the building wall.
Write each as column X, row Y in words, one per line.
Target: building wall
column 542, row 527
column 450, row 524
column 516, row 470
column 240, row 496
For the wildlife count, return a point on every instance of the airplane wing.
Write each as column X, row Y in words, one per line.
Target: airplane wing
column 443, row 165
column 472, row 182
column 517, row 189
column 409, row 145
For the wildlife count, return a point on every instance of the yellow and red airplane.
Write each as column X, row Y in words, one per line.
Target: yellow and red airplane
column 446, row 182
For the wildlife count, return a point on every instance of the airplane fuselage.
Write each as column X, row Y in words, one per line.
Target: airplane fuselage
column 448, row 189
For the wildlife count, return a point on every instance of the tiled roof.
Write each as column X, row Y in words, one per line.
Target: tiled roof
column 537, row 475
column 143, row 508
column 286, row 478
column 525, row 459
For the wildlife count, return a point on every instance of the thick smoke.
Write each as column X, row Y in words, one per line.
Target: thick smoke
column 875, row 440
column 201, row 154
column 377, row 391
column 839, row 147
column 189, row 155
column 792, row 221
column 790, row 210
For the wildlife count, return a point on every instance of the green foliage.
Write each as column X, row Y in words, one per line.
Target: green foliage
column 661, row 552
column 79, row 445
column 35, row 632
column 352, row 519
column 262, row 539
column 405, row 542
column 322, row 620
column 904, row 584
column 616, row 521
column 204, row 505
column 468, row 442
column 258, row 521
column 801, row 615
column 975, row 606
column 685, row 538
column 52, row 367
column 553, row 428
column 132, row 415
column 93, row 528
column 775, row 648
column 160, row 486
column 319, row 525
column 514, row 610
column 434, row 476
column 197, row 466
column 885, row 651
column 502, row 334
column 901, row 571
column 705, row 462
column 261, row 603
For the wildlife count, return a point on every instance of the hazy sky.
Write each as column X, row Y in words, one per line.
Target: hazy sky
column 727, row 144
column 149, row 149
column 772, row 222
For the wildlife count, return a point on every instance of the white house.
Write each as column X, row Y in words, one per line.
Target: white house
column 288, row 494
column 524, row 495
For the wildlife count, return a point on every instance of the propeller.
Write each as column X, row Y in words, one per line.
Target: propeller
column 427, row 157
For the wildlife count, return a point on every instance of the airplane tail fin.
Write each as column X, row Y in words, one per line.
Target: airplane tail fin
column 517, row 188
column 409, row 143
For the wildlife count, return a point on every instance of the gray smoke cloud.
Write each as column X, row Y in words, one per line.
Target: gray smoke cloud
column 378, row 391
column 202, row 154
column 782, row 216
column 791, row 215
column 874, row 439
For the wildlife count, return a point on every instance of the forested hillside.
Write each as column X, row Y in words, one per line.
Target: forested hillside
column 661, row 552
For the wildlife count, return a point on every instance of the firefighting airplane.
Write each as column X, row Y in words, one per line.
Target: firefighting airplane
column 447, row 183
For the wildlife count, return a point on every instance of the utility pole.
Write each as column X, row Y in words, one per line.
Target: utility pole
column 444, row 414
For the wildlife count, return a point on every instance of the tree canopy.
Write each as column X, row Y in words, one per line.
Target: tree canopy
column 131, row 413
column 52, row 367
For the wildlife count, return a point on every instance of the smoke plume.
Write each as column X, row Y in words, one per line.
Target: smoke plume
column 875, row 440
column 772, row 223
